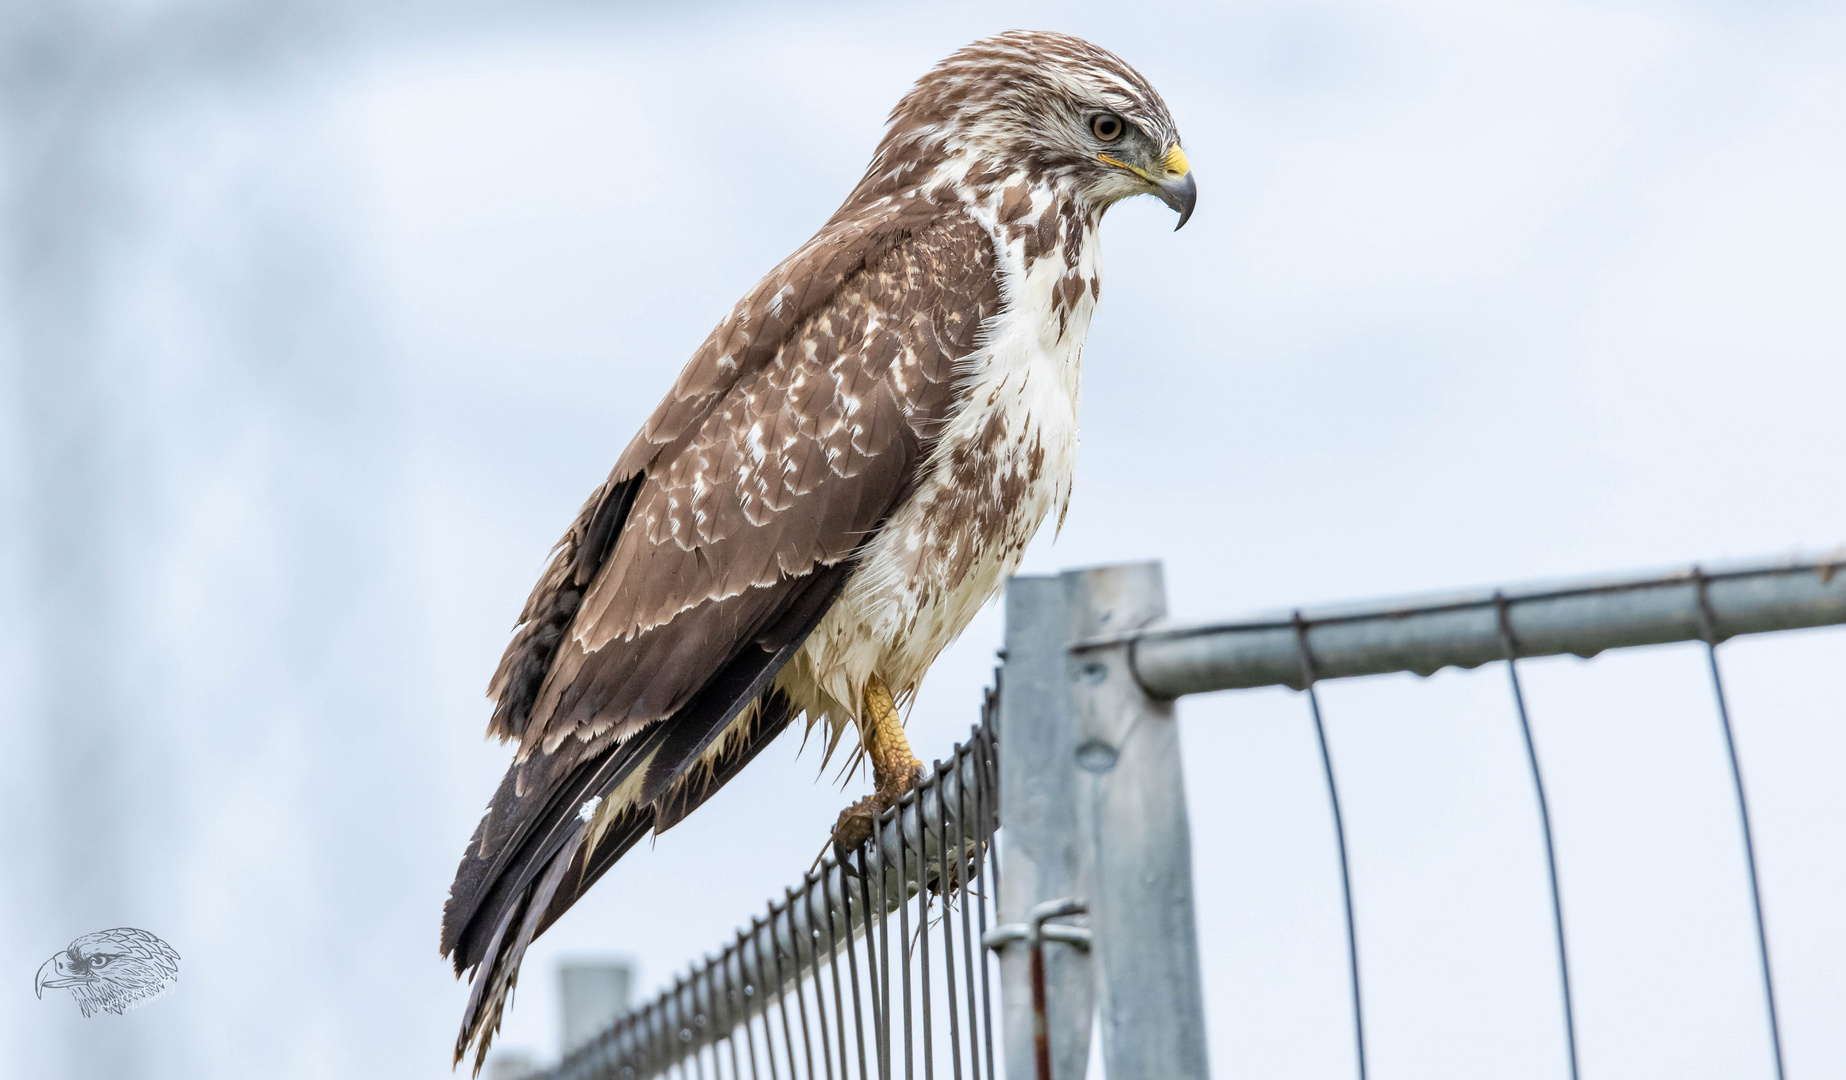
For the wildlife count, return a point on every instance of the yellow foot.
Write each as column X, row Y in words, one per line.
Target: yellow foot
column 895, row 770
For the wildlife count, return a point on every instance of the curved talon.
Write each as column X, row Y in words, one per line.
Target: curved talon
column 854, row 828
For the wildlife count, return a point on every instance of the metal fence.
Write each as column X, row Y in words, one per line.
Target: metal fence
column 1101, row 635
column 1096, row 826
column 869, row 969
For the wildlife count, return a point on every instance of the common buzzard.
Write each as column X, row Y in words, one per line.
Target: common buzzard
column 844, row 473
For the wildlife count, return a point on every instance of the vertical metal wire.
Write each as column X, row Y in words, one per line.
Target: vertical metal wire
column 820, row 982
column 678, row 1034
column 1511, row 647
column 669, row 1038
column 881, row 974
column 664, row 1032
column 983, row 789
column 759, row 992
column 669, row 1028
column 781, row 992
column 801, row 999
column 699, row 1026
column 1708, row 630
column 644, row 1041
column 637, row 1049
column 1339, row 834
column 833, row 967
column 691, row 1027
column 734, row 1015
column 827, row 870
column 852, row 959
column 675, row 1036
column 730, row 1011
column 718, row 1013
column 949, row 880
column 929, row 1067
column 875, row 983
column 720, row 1037
column 743, row 976
column 656, row 1053
column 990, row 781
column 637, row 1036
column 903, row 933
column 967, row 948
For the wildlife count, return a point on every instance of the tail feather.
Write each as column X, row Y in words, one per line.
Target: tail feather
column 477, row 992
column 624, row 833
column 486, row 889
column 697, row 785
column 572, row 870
column 529, row 797
column 518, row 869
column 482, row 1017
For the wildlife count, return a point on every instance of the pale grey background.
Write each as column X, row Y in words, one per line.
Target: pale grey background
column 320, row 320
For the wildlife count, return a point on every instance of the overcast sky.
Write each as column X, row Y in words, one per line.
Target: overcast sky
column 320, row 325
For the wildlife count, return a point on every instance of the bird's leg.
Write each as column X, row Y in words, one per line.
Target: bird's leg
column 895, row 770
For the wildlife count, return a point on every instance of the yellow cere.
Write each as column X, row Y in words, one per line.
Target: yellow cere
column 1175, row 162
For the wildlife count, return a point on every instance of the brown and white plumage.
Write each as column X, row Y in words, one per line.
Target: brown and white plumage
column 844, row 472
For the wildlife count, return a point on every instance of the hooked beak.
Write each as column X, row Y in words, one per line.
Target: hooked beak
column 1182, row 194
column 1177, row 189
column 48, row 977
column 1173, row 185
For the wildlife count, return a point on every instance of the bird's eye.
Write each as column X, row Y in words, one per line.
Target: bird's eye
column 98, row 961
column 1107, row 127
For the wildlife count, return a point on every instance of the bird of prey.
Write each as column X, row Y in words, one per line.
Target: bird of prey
column 845, row 471
column 111, row 970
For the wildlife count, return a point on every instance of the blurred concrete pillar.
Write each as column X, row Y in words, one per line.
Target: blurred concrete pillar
column 514, row 1064
column 592, row 994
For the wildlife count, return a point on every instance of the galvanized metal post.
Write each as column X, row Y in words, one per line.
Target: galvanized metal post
column 1131, row 814
column 1042, row 857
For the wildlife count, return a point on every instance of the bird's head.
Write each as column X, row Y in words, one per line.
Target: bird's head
column 1053, row 107
column 111, row 970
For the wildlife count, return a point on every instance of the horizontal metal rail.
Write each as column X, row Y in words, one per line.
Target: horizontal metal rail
column 1424, row 635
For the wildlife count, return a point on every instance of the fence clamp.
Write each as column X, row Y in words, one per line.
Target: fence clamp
column 1036, row 931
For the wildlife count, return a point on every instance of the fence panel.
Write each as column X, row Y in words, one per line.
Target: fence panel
column 870, row 969
column 1299, row 650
